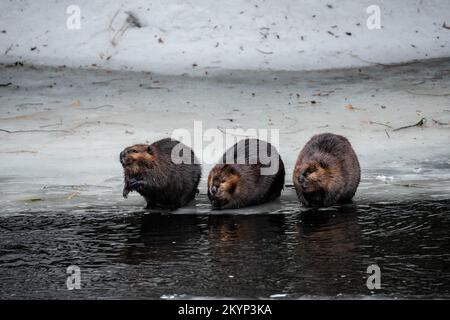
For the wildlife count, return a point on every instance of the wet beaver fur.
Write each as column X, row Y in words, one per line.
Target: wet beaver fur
column 327, row 171
column 149, row 170
column 233, row 185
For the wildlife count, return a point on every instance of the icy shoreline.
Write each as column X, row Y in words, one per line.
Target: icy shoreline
column 64, row 128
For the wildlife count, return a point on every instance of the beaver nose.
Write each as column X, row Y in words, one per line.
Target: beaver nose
column 123, row 154
column 301, row 179
column 213, row 190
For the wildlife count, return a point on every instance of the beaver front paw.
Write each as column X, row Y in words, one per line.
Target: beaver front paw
column 125, row 192
column 137, row 185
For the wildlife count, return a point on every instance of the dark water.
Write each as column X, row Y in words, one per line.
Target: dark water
column 129, row 253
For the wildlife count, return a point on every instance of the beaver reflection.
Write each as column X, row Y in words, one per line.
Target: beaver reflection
column 163, row 237
column 327, row 239
column 237, row 240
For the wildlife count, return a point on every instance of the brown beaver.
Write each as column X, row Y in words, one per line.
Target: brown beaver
column 327, row 171
column 149, row 170
column 255, row 180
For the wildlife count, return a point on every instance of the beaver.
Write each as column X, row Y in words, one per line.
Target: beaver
column 151, row 171
column 327, row 171
column 246, row 176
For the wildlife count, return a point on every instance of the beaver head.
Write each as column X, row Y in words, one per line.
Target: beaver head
column 224, row 182
column 136, row 158
column 313, row 176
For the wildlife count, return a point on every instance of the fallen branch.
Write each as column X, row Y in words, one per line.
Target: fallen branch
column 21, row 105
column 131, row 21
column 154, row 88
column 429, row 94
column 381, row 124
column 232, row 134
column 52, row 125
column 293, row 125
column 418, row 124
column 99, row 107
column 5, row 84
column 409, row 185
column 106, row 81
column 440, row 123
column 32, row 131
column 323, row 94
column 77, row 187
column 8, row 50
column 84, row 124
column 19, row 151
column 117, row 123
column 384, row 64
column 112, row 19
column 73, row 195
column 264, row 52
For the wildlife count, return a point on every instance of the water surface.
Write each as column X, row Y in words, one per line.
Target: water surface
column 127, row 252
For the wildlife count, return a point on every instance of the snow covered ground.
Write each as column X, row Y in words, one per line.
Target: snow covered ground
column 62, row 129
column 178, row 36
column 148, row 68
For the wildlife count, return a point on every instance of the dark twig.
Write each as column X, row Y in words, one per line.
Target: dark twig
column 439, row 122
column 107, row 81
column 21, row 105
column 323, row 94
column 224, row 131
column 52, row 125
column 385, row 64
column 5, row 84
column 418, row 124
column 31, row 131
column 429, row 94
column 133, row 20
column 381, row 124
column 8, row 50
column 99, row 107
column 264, row 52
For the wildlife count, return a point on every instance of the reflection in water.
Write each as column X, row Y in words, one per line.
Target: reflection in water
column 129, row 254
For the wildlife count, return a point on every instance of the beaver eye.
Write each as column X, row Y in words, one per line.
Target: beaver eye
column 134, row 151
column 323, row 164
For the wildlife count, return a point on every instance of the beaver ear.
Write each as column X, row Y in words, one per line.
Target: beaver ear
column 228, row 169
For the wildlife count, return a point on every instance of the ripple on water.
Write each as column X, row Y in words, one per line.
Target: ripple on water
column 282, row 249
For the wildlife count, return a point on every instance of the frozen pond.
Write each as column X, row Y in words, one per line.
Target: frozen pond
column 60, row 185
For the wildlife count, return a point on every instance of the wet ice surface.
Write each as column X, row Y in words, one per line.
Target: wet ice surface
column 60, row 186
column 127, row 252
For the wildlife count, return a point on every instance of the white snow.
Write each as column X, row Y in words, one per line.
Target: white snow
column 222, row 35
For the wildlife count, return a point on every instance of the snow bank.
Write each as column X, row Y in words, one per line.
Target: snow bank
column 175, row 36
